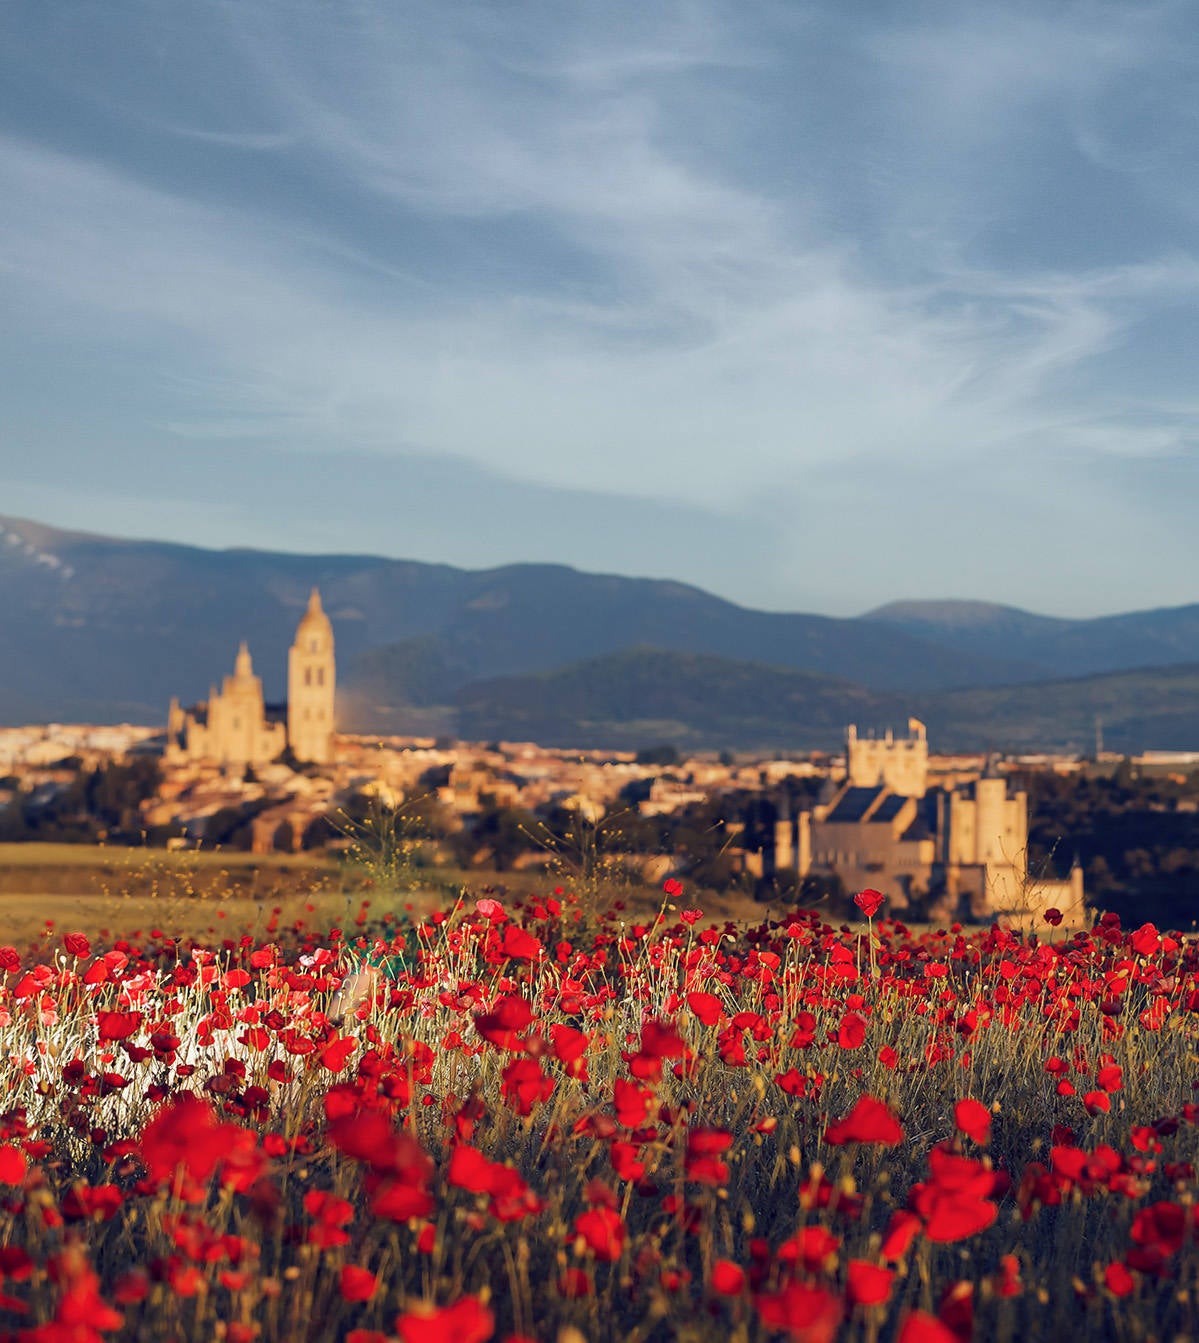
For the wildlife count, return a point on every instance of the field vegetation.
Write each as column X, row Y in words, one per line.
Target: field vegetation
column 520, row 1118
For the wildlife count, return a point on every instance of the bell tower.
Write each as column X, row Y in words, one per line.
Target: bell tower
column 310, row 686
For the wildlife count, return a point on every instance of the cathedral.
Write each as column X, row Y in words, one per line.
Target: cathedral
column 235, row 727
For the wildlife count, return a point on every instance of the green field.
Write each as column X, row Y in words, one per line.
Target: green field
column 94, row 888
column 49, row 889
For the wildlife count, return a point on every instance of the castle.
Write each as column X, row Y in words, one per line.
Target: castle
column 234, row 727
column 885, row 828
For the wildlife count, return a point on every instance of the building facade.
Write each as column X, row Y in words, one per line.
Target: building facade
column 311, row 672
column 945, row 847
column 235, row 728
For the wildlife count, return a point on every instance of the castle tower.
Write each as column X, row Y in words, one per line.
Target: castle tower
column 784, row 849
column 900, row 765
column 310, row 686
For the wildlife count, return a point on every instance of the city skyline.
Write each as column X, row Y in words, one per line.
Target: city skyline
column 815, row 310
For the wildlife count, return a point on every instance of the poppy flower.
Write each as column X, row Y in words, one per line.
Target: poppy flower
column 974, row 1120
column 1007, row 1282
column 466, row 1321
column 573, row 1283
column 1118, row 1280
column 706, row 1006
column 867, row 1284
column 117, row 1025
column 808, row 1314
column 603, row 1231
column 357, row 1284
column 852, row 1031
column 728, row 1278
column 524, row 1085
column 632, row 1102
column 13, row 1165
column 954, row 1201
column 870, row 1121
column 869, row 901
column 920, row 1327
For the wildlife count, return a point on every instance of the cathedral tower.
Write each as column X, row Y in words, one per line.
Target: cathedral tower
column 310, row 671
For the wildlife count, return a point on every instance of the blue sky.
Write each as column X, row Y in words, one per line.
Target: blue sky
column 817, row 306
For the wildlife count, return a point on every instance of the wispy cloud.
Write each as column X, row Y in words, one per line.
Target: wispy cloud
column 737, row 257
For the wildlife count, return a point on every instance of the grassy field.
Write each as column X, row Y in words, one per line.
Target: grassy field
column 49, row 889
column 97, row 888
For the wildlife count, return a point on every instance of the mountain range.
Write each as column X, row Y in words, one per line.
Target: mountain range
column 100, row 629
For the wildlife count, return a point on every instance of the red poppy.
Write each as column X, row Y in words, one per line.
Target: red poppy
column 809, row 1314
column 1007, row 1281
column 852, row 1031
column 706, row 1006
column 728, row 1278
column 520, row 945
column 919, row 1327
column 338, row 1052
column 509, row 1016
column 574, row 1283
column 357, row 1284
column 466, row 1321
column 117, row 1025
column 954, row 1201
column 1145, row 941
column 632, row 1102
column 902, row 1230
column 184, row 1140
column 603, row 1230
column 13, row 1165
column 870, row 1121
column 974, row 1120
column 77, row 944
column 1110, row 1077
column 867, row 1284
column 869, row 901
column 525, row 1085
column 1118, row 1280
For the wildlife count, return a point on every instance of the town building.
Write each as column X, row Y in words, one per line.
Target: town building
column 235, row 728
column 885, row 828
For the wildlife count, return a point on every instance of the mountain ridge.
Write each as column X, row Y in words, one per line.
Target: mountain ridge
column 93, row 627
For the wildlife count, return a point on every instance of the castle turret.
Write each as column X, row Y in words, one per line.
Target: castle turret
column 310, row 685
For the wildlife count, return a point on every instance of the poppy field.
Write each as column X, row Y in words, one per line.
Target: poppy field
column 522, row 1120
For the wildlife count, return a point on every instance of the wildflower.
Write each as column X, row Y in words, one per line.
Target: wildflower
column 13, row 1165
column 867, row 1284
column 357, row 1284
column 728, row 1279
column 870, row 1121
column 869, row 901
column 808, row 1314
column 603, row 1231
column 974, row 1120
column 467, row 1321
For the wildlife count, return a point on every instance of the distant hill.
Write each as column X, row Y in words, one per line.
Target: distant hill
column 94, row 628
column 1055, row 647
column 97, row 628
column 646, row 696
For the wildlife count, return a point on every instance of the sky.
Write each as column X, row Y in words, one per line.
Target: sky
column 817, row 306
